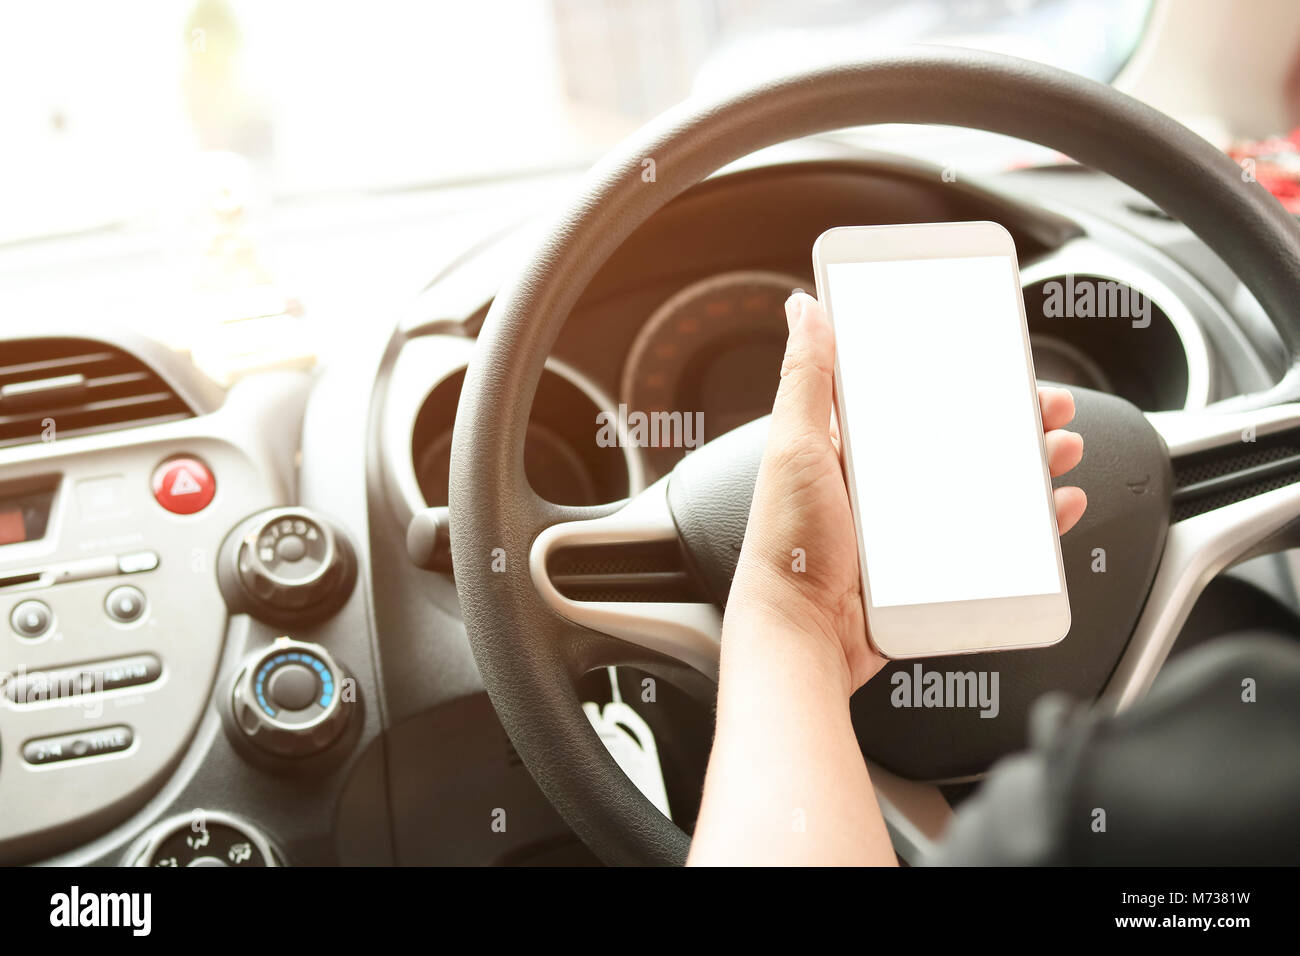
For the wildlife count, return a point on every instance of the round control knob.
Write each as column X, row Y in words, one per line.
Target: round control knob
column 203, row 838
column 289, row 699
column 125, row 604
column 287, row 566
column 31, row 619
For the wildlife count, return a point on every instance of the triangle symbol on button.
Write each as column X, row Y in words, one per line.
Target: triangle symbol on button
column 184, row 484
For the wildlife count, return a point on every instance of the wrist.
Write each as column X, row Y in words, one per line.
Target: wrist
column 766, row 640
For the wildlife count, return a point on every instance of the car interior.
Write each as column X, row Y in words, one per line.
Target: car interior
column 310, row 551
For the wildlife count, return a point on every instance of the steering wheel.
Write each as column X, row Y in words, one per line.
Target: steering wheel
column 1173, row 497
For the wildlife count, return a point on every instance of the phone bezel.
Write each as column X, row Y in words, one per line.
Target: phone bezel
column 952, row 627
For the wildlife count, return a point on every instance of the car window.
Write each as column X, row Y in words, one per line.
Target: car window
column 141, row 107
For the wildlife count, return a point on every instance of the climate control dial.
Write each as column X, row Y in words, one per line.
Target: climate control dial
column 291, row 699
column 287, row 566
column 204, row 838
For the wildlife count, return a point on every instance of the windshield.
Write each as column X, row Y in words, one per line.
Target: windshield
column 119, row 114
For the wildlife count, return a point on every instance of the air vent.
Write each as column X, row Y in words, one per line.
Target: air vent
column 65, row 387
column 643, row 572
column 1212, row 479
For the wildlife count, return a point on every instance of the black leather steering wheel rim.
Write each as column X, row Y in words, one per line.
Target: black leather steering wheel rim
column 526, row 653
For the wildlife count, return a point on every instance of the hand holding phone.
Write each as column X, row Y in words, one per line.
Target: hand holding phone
column 922, row 313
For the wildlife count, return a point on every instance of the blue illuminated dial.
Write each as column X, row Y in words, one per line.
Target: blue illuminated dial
column 324, row 690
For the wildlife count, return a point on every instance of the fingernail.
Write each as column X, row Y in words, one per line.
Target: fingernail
column 794, row 309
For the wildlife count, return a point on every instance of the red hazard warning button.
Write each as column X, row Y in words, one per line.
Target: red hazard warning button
column 183, row 485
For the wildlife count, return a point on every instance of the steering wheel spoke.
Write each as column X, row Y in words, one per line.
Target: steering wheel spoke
column 1236, row 493
column 624, row 574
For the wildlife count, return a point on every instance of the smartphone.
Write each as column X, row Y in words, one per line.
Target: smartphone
column 942, row 439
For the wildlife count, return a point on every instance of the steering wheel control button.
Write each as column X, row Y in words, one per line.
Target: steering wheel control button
column 184, row 486
column 203, row 838
column 288, row 700
column 65, row 682
column 287, row 566
column 31, row 619
column 90, row 743
column 125, row 604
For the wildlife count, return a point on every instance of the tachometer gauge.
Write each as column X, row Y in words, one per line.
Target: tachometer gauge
column 711, row 351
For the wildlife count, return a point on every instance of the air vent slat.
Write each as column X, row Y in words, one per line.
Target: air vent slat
column 57, row 366
column 124, row 378
column 108, row 407
column 117, row 390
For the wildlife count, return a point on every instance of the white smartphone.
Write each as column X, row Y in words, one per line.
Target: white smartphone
column 942, row 439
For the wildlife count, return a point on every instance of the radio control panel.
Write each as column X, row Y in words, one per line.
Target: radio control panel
column 112, row 621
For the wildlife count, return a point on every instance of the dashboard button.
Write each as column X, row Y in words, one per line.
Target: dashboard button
column 103, row 497
column 129, row 671
column 183, row 485
column 90, row 743
column 83, row 570
column 62, row 682
column 31, row 619
column 125, row 604
column 136, row 562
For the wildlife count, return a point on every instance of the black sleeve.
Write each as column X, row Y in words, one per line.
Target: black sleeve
column 1204, row 771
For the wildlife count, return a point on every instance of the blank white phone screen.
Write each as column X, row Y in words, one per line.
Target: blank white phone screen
column 951, row 496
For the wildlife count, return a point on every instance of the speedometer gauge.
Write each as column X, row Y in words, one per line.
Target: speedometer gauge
column 714, row 348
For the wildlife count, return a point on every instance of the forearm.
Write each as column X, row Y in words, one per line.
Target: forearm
column 786, row 782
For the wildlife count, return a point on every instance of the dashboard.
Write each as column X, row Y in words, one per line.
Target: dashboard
column 706, row 333
column 220, row 650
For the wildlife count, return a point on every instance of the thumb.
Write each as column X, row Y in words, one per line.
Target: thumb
column 803, row 399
